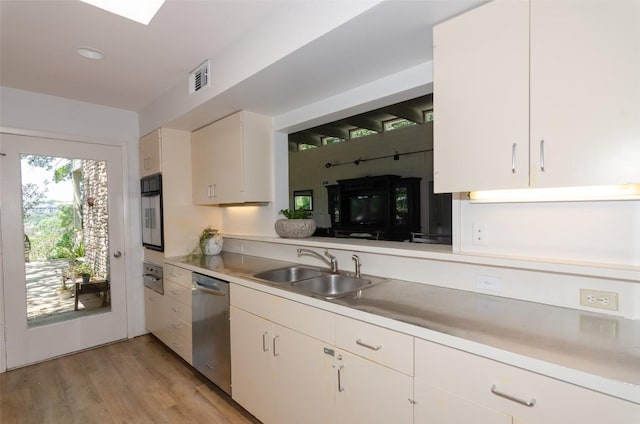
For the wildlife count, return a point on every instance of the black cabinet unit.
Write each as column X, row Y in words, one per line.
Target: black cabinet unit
column 385, row 207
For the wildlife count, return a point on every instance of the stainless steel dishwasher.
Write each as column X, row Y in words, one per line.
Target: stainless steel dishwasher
column 211, row 330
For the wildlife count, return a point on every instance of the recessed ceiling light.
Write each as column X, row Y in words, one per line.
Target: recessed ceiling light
column 141, row 11
column 90, row 53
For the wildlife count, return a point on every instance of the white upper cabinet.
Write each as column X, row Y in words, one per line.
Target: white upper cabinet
column 231, row 160
column 150, row 158
column 585, row 92
column 537, row 94
column 481, row 99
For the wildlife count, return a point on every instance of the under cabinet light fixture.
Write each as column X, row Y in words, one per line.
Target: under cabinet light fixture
column 558, row 194
column 141, row 11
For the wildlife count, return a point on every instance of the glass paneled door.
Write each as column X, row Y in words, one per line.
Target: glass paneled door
column 62, row 243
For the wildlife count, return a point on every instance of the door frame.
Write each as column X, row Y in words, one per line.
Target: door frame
column 132, row 251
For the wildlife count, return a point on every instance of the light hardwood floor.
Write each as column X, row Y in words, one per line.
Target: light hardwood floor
column 134, row 381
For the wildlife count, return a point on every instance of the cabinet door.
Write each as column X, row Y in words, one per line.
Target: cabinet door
column 252, row 364
column 217, row 162
column 585, row 63
column 150, row 154
column 371, row 393
column 306, row 382
column 481, row 99
column 437, row 406
column 153, row 312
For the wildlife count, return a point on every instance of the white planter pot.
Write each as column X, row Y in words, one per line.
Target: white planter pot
column 295, row 228
column 213, row 246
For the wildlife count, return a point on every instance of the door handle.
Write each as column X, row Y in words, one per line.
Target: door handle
column 340, row 387
column 117, row 254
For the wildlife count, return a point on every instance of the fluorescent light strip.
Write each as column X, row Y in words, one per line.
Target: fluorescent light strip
column 560, row 194
column 141, row 11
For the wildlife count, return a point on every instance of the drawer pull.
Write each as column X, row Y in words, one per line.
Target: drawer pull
column 340, row 386
column 368, row 346
column 529, row 403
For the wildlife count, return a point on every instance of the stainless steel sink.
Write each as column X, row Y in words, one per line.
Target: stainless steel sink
column 289, row 274
column 331, row 286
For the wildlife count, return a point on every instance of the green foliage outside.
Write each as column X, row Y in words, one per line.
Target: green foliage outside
column 303, row 203
column 51, row 234
column 53, row 237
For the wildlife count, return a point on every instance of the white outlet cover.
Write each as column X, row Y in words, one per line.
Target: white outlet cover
column 488, row 283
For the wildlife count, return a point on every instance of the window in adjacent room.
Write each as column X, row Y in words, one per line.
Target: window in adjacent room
column 303, row 200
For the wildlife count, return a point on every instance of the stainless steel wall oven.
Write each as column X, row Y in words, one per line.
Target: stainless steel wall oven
column 151, row 209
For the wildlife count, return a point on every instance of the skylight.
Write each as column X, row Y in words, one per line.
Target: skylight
column 141, row 11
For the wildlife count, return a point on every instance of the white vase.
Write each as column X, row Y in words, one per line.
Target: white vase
column 213, row 245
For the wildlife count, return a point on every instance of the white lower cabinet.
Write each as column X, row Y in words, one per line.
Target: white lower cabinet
column 153, row 311
column 252, row 364
column 371, row 393
column 279, row 375
column 435, row 406
column 168, row 316
column 452, row 384
column 282, row 375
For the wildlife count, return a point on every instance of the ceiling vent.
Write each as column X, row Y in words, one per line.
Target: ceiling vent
column 199, row 78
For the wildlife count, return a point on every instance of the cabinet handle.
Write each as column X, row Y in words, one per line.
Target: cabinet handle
column 340, row 386
column 265, row 347
column 211, row 191
column 368, row 346
column 529, row 403
column 275, row 340
column 542, row 155
column 513, row 158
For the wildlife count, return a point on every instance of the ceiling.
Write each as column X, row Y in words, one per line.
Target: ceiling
column 142, row 63
column 412, row 110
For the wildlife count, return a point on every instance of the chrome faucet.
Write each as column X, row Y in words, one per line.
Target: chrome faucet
column 356, row 259
column 331, row 261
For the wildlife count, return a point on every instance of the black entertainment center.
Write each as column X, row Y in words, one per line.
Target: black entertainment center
column 385, row 207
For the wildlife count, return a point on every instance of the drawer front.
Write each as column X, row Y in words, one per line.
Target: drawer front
column 383, row 346
column 177, row 292
column 179, row 339
column 472, row 377
column 178, row 311
column 302, row 318
column 177, row 275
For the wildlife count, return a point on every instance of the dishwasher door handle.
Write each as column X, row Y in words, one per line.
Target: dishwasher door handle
column 210, row 289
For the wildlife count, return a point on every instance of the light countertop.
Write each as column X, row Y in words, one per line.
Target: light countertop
column 596, row 351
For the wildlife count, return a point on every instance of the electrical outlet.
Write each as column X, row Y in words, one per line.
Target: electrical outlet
column 599, row 299
column 488, row 283
column 479, row 234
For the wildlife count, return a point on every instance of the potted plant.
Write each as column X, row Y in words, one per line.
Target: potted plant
column 210, row 242
column 84, row 270
column 298, row 224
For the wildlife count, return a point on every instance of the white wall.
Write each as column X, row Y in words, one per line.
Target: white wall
column 598, row 232
column 48, row 116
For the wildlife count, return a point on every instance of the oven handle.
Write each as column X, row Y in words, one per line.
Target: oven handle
column 209, row 289
column 151, row 277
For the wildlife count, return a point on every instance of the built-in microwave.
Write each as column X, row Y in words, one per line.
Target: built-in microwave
column 151, row 209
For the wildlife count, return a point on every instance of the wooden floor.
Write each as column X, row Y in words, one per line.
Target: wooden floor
column 135, row 381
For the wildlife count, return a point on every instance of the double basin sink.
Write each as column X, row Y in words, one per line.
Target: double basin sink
column 316, row 282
